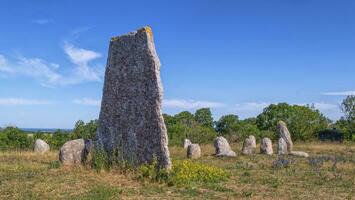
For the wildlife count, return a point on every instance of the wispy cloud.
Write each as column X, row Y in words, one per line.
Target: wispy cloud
column 251, row 106
column 81, row 58
column 21, row 101
column 43, row 21
column 48, row 74
column 341, row 93
column 325, row 106
column 190, row 104
column 79, row 30
column 87, row 101
column 4, row 65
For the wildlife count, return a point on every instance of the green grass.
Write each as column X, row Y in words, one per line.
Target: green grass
column 26, row 175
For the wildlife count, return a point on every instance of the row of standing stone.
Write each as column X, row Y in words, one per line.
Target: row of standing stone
column 223, row 149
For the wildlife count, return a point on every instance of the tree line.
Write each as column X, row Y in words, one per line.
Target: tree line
column 304, row 123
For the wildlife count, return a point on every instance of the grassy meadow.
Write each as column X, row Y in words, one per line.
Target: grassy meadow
column 26, row 175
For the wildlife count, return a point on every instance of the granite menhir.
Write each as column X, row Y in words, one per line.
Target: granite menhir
column 131, row 125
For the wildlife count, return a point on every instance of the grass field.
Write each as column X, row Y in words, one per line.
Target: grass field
column 26, row 175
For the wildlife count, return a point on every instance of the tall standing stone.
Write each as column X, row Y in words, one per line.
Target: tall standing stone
column 187, row 142
column 193, row 151
column 266, row 146
column 282, row 147
column 131, row 125
column 222, row 148
column 285, row 134
column 249, row 145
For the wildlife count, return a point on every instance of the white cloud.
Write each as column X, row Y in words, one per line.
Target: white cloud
column 325, row 106
column 48, row 74
column 88, row 101
column 81, row 58
column 190, row 104
column 251, row 106
column 342, row 93
column 43, row 21
column 38, row 68
column 4, row 65
column 20, row 101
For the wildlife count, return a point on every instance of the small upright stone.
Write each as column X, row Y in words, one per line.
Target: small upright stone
column 193, row 151
column 252, row 138
column 249, row 146
column 282, row 147
column 266, row 146
column 285, row 134
column 131, row 126
column 187, row 142
column 74, row 152
column 40, row 146
column 222, row 148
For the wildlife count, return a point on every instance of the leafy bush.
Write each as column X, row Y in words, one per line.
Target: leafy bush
column 184, row 125
column 14, row 138
column 85, row 130
column 58, row 139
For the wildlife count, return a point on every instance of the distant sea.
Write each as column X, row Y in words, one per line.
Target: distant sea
column 47, row 130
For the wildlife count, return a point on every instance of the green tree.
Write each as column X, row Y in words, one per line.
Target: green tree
column 58, row 139
column 348, row 108
column 227, row 125
column 84, row 130
column 204, row 117
column 303, row 121
column 183, row 125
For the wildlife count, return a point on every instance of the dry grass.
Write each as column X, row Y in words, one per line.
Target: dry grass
column 26, row 175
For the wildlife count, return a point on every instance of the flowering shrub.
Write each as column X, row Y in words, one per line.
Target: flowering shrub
column 187, row 171
column 184, row 172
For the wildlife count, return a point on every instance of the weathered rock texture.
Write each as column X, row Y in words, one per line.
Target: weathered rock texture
column 40, row 146
column 187, row 142
column 222, row 148
column 282, row 147
column 299, row 154
column 74, row 152
column 193, row 151
column 249, row 146
column 266, row 146
column 285, row 134
column 131, row 125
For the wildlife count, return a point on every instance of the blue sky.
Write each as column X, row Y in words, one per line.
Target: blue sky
column 235, row 56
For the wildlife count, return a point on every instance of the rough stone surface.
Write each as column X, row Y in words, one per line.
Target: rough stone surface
column 193, row 151
column 282, row 147
column 187, row 142
column 299, row 154
column 131, row 125
column 222, row 148
column 249, row 146
column 74, row 152
column 40, row 146
column 285, row 134
column 266, row 146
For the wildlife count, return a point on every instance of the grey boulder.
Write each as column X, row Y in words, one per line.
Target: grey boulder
column 249, row 146
column 40, row 146
column 187, row 142
column 222, row 148
column 193, row 151
column 74, row 152
column 266, row 146
column 282, row 147
column 299, row 154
